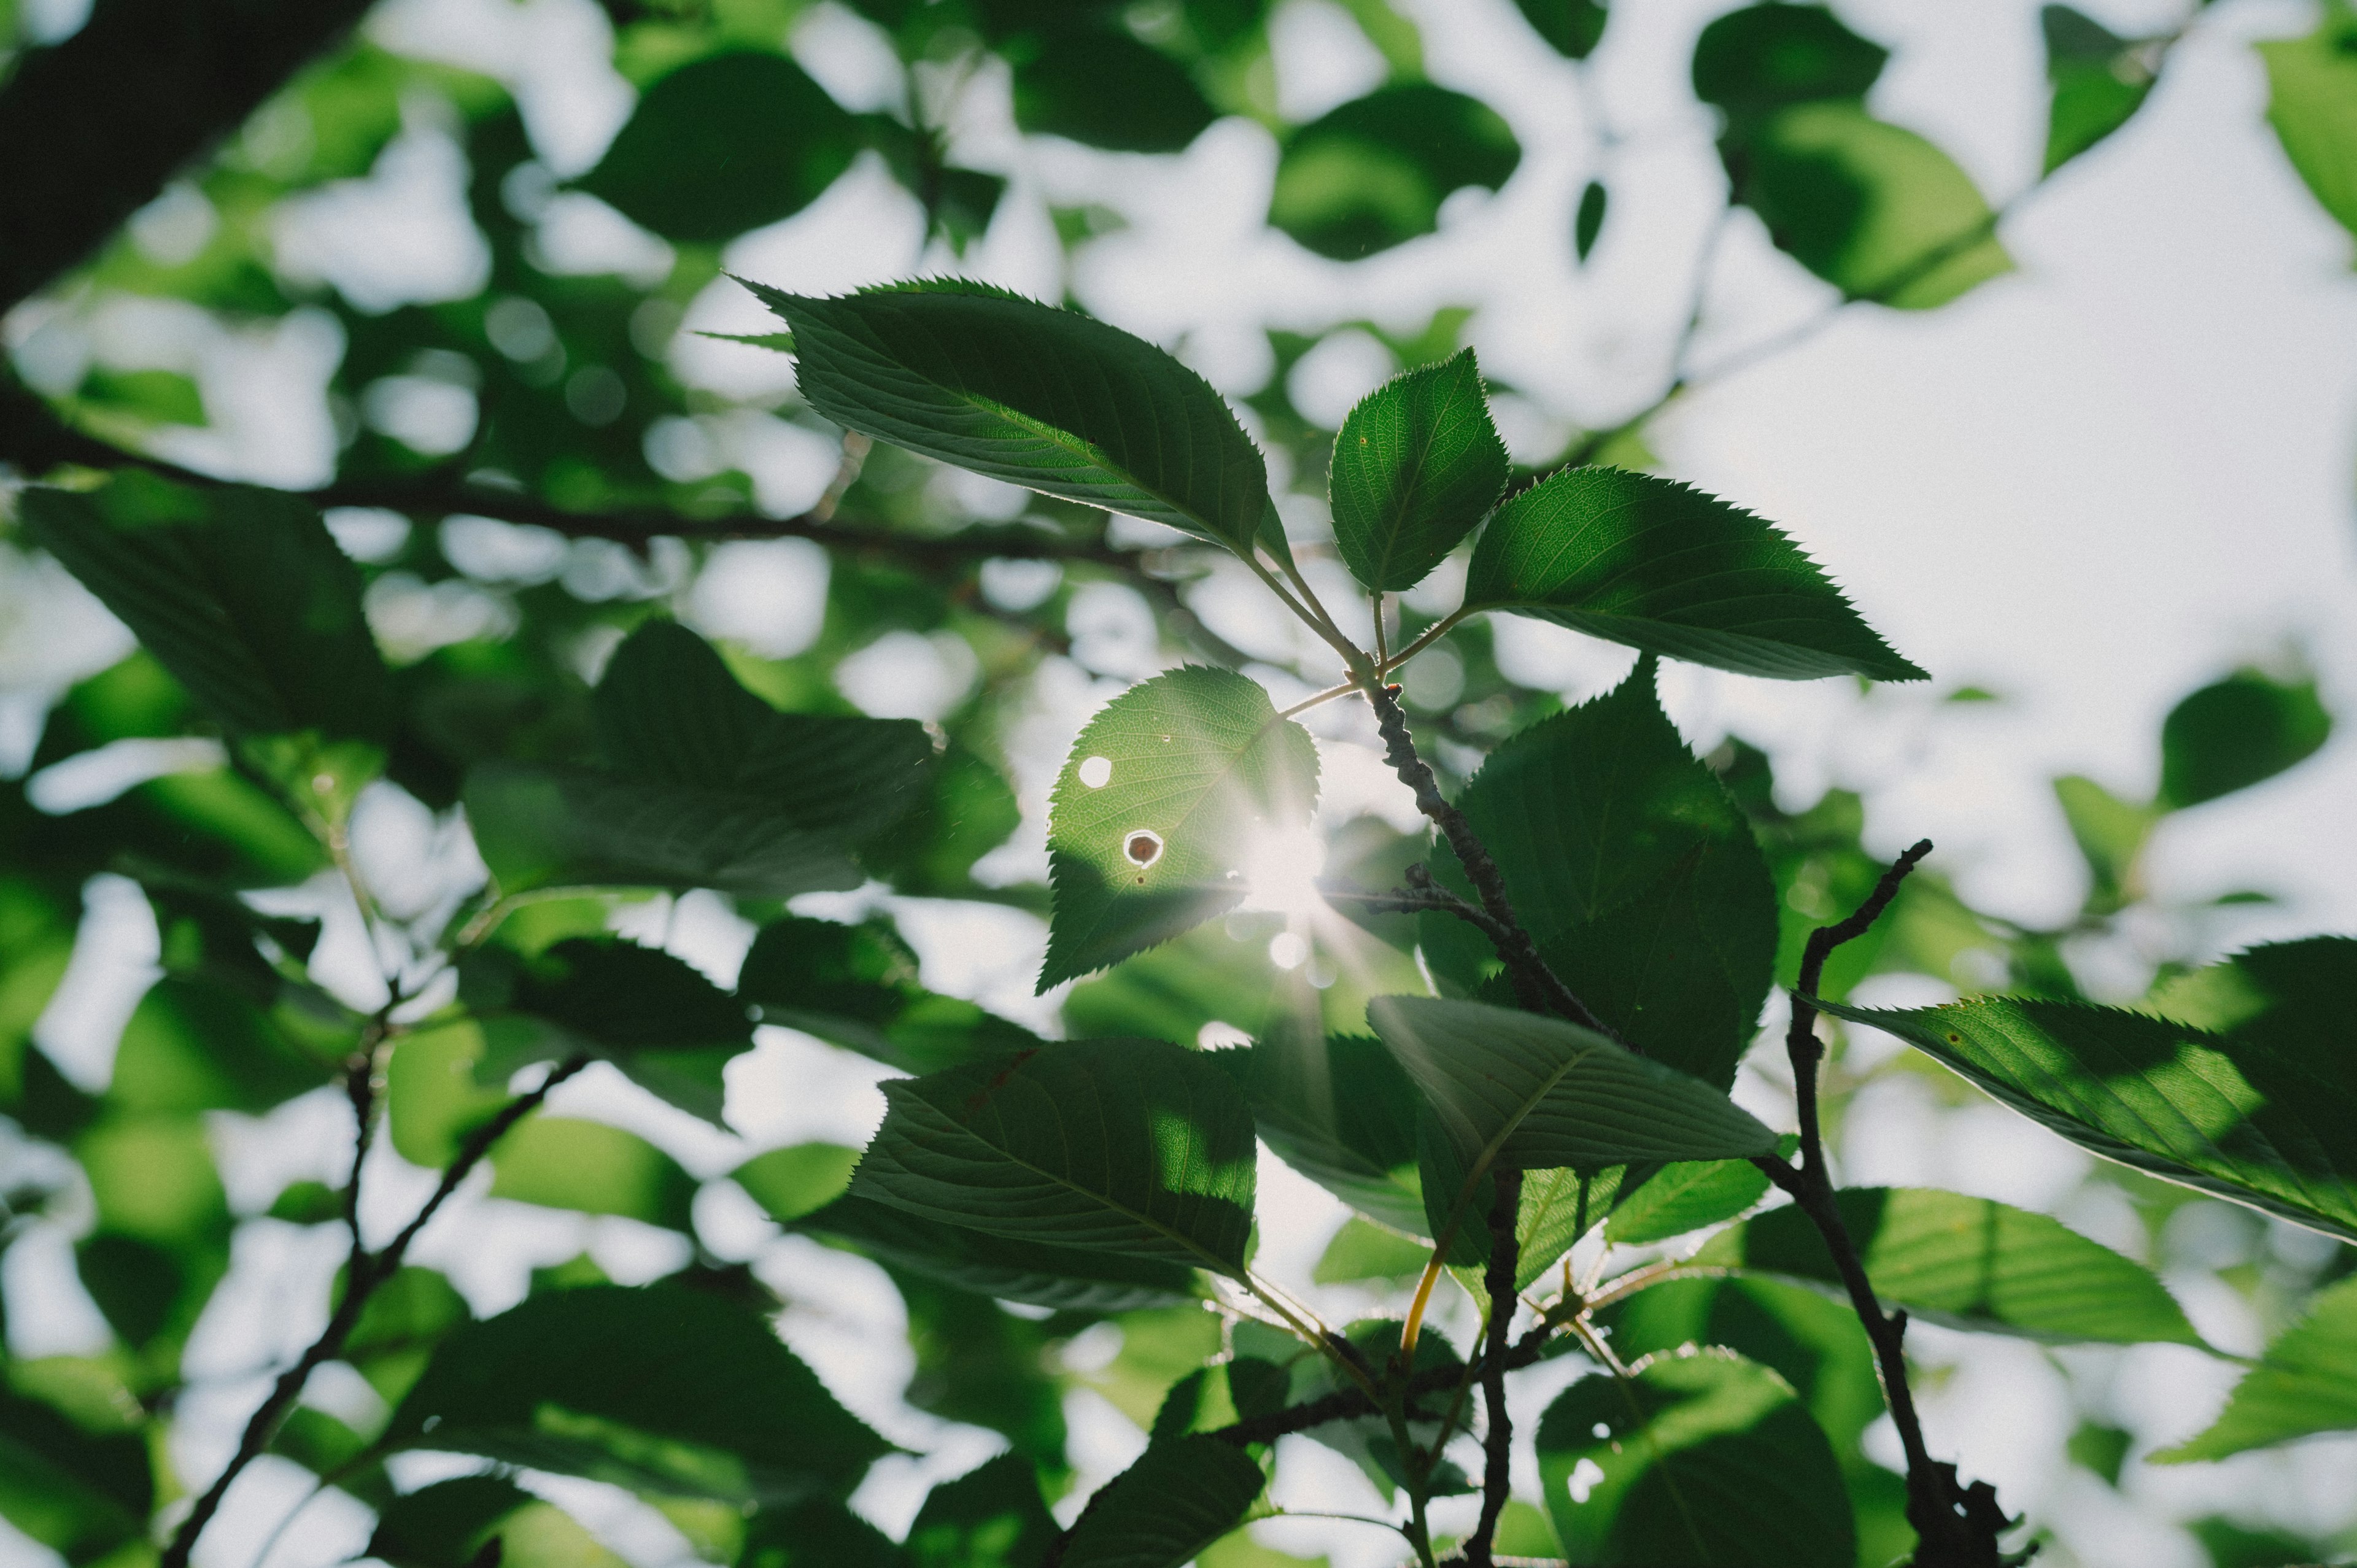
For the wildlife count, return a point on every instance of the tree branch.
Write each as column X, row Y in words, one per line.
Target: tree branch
column 1505, row 1259
column 1349, row 1404
column 1956, row 1527
column 362, row 1278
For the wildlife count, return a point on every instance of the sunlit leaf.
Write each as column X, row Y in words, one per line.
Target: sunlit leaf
column 800, row 1179
column 1686, row 1196
column 192, row 1046
column 2312, row 105
column 1415, row 465
column 856, row 987
column 2306, row 1384
column 2100, row 81
column 1340, row 1111
column 1179, row 1498
column 1373, row 172
column 561, row 1161
column 991, row 1517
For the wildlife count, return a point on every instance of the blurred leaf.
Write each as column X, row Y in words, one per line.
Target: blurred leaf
column 433, row 1098
column 1338, row 1110
column 1069, row 1279
column 1180, row 1497
column 2261, row 1108
column 1971, row 1263
column 152, row 1290
column 441, row 1525
column 2100, row 1449
column 1101, row 86
column 1686, row 1196
column 1702, row 1458
column 1634, row 872
column 856, row 986
column 404, row 1319
column 1416, row 464
column 2242, row 731
column 1588, row 222
column 1751, row 62
column 1361, row 1251
column 192, row 1046
column 819, row 1534
column 240, row 593
column 968, row 811
column 1047, row 399
column 561, row 1163
column 153, row 1177
column 307, row 1203
column 991, row 1517
column 793, row 1182
column 725, row 144
column 1150, row 829
column 659, row 1387
column 2111, row 834
column 79, row 1493
column 1373, row 173
column 1572, row 26
column 979, row 1363
column 2306, row 1384
column 2312, row 105
column 148, row 397
column 2100, row 80
column 1666, row 568
column 1130, row 1146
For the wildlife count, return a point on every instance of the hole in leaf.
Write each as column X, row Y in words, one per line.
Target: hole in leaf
column 1097, row 772
column 1142, row 845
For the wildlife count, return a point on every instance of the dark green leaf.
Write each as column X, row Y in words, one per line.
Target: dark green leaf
column 2263, row 1111
column 1415, row 465
column 1175, row 1501
column 988, row 1518
column 151, row 1292
column 1751, row 62
column 2100, row 80
column 1588, row 222
column 307, row 1203
column 1535, row 1093
column 793, row 1182
column 76, row 1492
column 1046, row 398
column 1572, row 26
column 1101, row 86
column 1071, row 1279
column 150, row 397
column 1658, row 566
column 1686, row 1196
column 664, row 1388
column 968, row 812
column 1705, row 1459
column 2306, row 1384
column 562, row 1163
column 856, row 986
column 820, row 1534
column 408, row 1315
column 1151, row 827
column 1131, row 1146
column 2312, row 105
column 240, row 593
column 2240, row 731
column 195, row 1046
column 1970, row 1262
column 1373, row 172
column 443, row 1525
column 725, row 144
column 1340, row 1111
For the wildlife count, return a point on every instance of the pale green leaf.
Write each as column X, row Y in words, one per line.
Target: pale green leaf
column 797, row 1180
column 1415, row 465
column 1152, row 826
column 2100, row 81
column 2312, row 105
column 560, row 1161
column 1686, row 1196
column 2306, row 1384
column 1338, row 1110
column 1180, row 1497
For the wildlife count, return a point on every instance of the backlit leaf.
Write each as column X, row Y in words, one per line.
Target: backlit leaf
column 560, row 1161
column 1180, row 1497
column 1373, row 172
column 2239, row 731
column 2312, row 105
column 2306, row 1384
column 1415, row 465
column 1071, row 1279
column 2100, row 81
column 1686, row 1196
column 991, row 1517
column 1340, row 1111
column 856, row 987
column 797, row 1180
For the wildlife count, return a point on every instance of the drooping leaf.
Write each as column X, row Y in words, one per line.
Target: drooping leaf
column 1151, row 826
column 2312, row 105
column 561, row 1161
column 725, row 144
column 1047, row 399
column 1042, row 1274
column 664, row 1388
column 1634, row 873
column 1572, row 26
column 1180, row 1497
column 1536, row 1093
column 240, row 593
column 2239, row 731
column 1131, row 1146
column 1705, row 1459
column 1416, row 464
column 1587, row 223
column 2100, row 81
column 2260, row 1107
column 1970, row 1262
column 1686, row 1196
column 991, row 1517
column 1099, row 85
column 2306, row 1384
column 1373, row 173
column 1340, row 1111
column 1648, row 562
column 856, row 987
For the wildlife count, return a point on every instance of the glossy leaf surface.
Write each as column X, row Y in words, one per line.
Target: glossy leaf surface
column 1043, row 1274
column 1415, row 465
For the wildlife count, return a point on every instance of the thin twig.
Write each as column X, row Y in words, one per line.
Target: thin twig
column 1429, row 895
column 1505, row 1259
column 1350, row 1404
column 367, row 1273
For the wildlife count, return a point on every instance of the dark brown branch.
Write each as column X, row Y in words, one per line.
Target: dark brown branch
column 1349, row 1404
column 1956, row 1527
column 367, row 1273
column 1528, row 971
column 1426, row 894
column 1505, row 1261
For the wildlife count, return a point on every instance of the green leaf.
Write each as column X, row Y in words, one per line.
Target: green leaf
column 1047, row 399
column 1970, row 1262
column 1340, row 1111
column 968, row 812
column 444, row 1525
column 2306, row 1382
column 1802, row 1334
column 1099, row 85
column 1702, row 1459
column 2100, row 81
column 1572, row 26
column 856, row 986
column 2312, row 105
column 152, row 1179
column 1071, row 1279
column 1686, row 1196
column 2261, row 1109
column 1131, row 1146
column 659, row 1387
column 1151, row 825
column 725, row 144
column 1176, row 1500
column 2111, row 834
column 1373, row 172
column 1658, row 566
column 1753, row 61
column 1588, row 221
column 79, row 1492
column 1535, row 1093
column 1361, row 1250
column 706, row 785
column 822, row 1534
column 240, row 593
column 149, row 397
column 2239, row 731
column 561, row 1163
column 192, row 1045
column 1415, row 465
column 410, row 1314
column 793, row 1182
column 990, row 1516
column 1634, row 873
